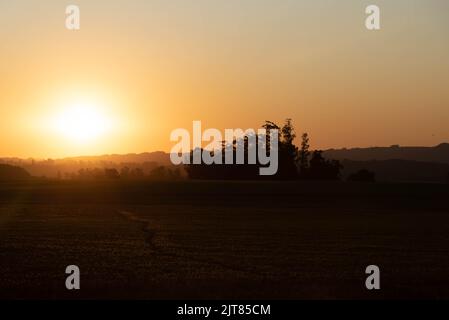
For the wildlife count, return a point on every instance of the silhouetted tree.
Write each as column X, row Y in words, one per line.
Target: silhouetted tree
column 173, row 174
column 288, row 153
column 322, row 169
column 223, row 171
column 136, row 173
column 165, row 173
column 124, row 172
column 97, row 173
column 111, row 173
column 304, row 154
column 268, row 126
column 159, row 173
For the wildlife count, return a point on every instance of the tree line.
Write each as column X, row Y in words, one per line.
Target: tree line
column 294, row 163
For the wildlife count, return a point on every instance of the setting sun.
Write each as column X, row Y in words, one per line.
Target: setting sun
column 82, row 122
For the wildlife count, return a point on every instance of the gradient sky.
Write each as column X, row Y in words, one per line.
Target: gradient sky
column 153, row 66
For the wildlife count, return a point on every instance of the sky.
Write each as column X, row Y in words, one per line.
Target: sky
column 142, row 68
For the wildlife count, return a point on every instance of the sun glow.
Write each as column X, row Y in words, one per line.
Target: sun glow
column 82, row 122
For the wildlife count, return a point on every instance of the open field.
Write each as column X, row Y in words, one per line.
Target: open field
column 224, row 239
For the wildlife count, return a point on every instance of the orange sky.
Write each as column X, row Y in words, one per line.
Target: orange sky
column 148, row 67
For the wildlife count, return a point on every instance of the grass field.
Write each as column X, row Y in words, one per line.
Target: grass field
column 184, row 240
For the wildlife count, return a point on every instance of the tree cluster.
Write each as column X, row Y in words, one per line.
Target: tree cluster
column 293, row 163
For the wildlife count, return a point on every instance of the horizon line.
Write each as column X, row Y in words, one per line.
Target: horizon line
column 165, row 152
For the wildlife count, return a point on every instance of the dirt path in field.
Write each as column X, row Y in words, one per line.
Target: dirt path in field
column 150, row 234
column 145, row 227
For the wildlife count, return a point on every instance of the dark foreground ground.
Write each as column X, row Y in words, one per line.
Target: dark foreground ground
column 224, row 240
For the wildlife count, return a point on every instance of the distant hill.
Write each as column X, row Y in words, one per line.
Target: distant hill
column 395, row 163
column 399, row 170
column 11, row 173
column 160, row 157
column 439, row 153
